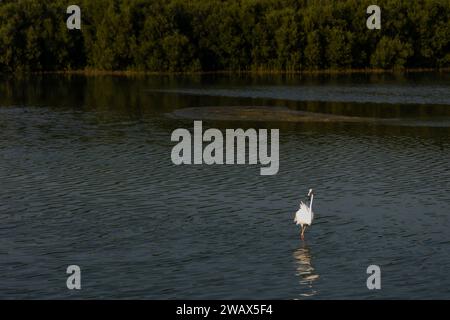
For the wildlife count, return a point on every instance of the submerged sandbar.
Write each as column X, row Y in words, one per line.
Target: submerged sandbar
column 264, row 113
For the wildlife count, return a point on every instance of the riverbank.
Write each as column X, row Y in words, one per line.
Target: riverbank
column 97, row 72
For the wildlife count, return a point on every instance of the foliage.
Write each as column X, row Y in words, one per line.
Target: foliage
column 199, row 35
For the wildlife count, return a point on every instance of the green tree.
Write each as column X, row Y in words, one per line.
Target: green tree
column 391, row 53
column 198, row 35
column 313, row 51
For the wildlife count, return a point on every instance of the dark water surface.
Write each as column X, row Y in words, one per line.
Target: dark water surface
column 86, row 178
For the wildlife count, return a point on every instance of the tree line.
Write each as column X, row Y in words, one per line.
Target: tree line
column 220, row 35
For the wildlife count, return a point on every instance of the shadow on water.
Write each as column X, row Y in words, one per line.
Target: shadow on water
column 424, row 96
column 305, row 271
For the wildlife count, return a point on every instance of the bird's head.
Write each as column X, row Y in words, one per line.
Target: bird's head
column 310, row 193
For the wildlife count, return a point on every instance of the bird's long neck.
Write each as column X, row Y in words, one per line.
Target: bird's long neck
column 310, row 203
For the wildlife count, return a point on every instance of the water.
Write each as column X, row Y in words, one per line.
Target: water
column 86, row 179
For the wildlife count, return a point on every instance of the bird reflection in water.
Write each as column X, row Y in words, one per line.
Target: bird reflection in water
column 305, row 270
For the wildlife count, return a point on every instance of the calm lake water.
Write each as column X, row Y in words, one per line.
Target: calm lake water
column 86, row 178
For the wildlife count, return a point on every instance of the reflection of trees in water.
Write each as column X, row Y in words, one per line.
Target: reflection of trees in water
column 305, row 271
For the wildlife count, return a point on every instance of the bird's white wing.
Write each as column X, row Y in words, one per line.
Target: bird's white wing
column 303, row 215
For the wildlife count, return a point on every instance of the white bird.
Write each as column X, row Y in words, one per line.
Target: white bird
column 304, row 216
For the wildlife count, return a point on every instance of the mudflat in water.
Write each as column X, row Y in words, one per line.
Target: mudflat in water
column 86, row 178
column 262, row 113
